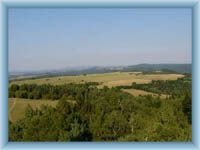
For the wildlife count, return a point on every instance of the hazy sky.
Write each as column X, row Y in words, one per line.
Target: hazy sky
column 58, row 38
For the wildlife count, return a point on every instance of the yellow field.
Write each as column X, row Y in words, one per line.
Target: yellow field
column 18, row 106
column 107, row 79
column 136, row 92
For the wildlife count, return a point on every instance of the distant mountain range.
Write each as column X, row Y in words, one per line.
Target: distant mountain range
column 179, row 68
column 176, row 68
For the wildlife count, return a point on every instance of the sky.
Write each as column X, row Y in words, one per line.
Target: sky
column 45, row 39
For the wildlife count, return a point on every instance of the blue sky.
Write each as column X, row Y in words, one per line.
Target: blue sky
column 45, row 39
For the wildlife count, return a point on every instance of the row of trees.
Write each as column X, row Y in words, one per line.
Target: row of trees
column 106, row 114
column 53, row 92
column 175, row 88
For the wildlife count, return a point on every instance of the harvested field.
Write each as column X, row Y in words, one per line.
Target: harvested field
column 136, row 92
column 107, row 79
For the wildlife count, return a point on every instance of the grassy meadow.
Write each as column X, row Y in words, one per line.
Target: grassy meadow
column 17, row 106
column 108, row 79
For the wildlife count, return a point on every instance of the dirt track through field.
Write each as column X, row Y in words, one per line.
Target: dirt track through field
column 11, row 109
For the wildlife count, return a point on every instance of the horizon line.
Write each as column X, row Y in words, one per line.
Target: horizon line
column 90, row 66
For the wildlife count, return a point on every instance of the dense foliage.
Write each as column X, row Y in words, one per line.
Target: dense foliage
column 106, row 114
column 47, row 91
column 175, row 88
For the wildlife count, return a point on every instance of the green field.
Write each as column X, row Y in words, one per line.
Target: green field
column 17, row 106
column 107, row 79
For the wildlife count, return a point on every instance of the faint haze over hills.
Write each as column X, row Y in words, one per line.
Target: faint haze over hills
column 50, row 39
column 145, row 68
